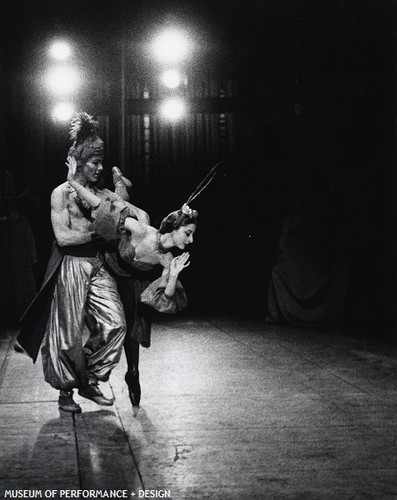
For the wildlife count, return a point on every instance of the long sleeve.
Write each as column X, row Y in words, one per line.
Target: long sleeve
column 155, row 297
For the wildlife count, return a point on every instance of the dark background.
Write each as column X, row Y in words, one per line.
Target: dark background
column 309, row 106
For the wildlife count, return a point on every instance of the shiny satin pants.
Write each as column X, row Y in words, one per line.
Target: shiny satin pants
column 85, row 295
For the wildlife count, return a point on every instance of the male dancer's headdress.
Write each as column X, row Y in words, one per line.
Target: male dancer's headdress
column 86, row 142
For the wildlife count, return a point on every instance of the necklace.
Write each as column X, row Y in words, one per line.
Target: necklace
column 160, row 246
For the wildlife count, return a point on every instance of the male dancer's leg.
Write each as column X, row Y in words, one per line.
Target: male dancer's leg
column 62, row 351
column 106, row 321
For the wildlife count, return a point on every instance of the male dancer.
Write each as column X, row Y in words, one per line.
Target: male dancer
column 78, row 290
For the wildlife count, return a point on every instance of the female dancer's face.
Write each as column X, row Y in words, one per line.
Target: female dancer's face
column 92, row 170
column 183, row 236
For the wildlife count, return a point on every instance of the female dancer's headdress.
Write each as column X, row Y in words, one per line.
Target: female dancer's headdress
column 205, row 182
column 187, row 215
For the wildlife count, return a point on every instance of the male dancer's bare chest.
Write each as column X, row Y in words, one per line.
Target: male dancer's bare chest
column 79, row 215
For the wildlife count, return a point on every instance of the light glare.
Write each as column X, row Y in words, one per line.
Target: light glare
column 60, row 50
column 171, row 46
column 173, row 109
column 63, row 112
column 171, row 78
column 63, row 80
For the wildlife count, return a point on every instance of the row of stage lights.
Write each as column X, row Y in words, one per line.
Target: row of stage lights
column 169, row 48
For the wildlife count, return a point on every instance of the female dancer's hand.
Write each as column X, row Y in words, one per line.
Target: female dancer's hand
column 72, row 165
column 179, row 263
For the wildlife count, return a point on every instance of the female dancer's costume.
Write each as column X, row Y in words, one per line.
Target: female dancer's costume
column 109, row 221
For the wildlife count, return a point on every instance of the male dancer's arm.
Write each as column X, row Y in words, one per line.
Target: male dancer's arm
column 94, row 200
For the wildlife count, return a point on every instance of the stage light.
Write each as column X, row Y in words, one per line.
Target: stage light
column 171, row 46
column 60, row 50
column 171, row 78
column 63, row 112
column 63, row 80
column 173, row 109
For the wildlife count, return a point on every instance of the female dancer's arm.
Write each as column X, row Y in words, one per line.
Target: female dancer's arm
column 94, row 200
column 166, row 294
column 177, row 265
column 83, row 192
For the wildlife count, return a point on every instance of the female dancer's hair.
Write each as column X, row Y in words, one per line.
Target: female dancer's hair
column 178, row 218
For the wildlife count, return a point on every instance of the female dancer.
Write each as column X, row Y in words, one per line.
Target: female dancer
column 139, row 248
column 142, row 246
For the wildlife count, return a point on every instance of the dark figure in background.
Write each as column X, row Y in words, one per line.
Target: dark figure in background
column 308, row 284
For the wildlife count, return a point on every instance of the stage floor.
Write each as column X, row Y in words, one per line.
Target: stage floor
column 230, row 409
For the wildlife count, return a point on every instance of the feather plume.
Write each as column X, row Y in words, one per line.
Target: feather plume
column 82, row 127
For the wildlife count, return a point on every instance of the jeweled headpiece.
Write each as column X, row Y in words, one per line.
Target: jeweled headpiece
column 189, row 211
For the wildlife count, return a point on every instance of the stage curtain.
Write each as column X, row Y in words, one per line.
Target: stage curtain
column 17, row 258
column 308, row 284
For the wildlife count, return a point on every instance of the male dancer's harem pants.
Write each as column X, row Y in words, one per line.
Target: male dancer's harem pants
column 85, row 294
